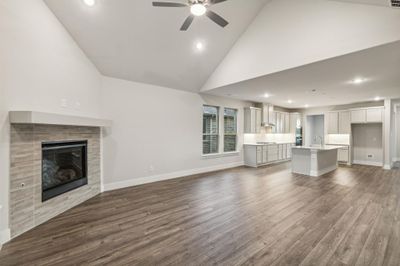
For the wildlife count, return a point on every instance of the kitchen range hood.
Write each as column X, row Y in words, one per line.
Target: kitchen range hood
column 268, row 115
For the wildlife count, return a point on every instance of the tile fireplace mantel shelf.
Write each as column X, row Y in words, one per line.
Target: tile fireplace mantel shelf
column 32, row 117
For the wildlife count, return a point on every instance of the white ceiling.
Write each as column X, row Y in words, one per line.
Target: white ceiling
column 330, row 78
column 130, row 39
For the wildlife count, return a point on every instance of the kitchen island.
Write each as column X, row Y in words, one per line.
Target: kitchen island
column 314, row 160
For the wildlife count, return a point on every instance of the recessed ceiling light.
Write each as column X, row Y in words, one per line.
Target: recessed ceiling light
column 306, row 106
column 290, row 101
column 266, row 95
column 377, row 98
column 199, row 46
column 198, row 9
column 358, row 80
column 90, row 2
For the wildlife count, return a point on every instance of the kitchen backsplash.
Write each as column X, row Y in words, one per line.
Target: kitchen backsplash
column 253, row 138
column 343, row 139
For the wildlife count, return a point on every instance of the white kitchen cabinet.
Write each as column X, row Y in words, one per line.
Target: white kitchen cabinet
column 252, row 120
column 333, row 122
column 344, row 122
column 343, row 155
column 272, row 153
column 289, row 151
column 258, row 155
column 264, row 154
column 367, row 115
column 358, row 116
column 375, row 115
column 287, row 123
column 338, row 122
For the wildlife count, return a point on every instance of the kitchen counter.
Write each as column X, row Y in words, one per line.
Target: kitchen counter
column 319, row 148
column 314, row 160
column 269, row 143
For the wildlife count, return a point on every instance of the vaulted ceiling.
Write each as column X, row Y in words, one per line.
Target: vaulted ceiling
column 270, row 46
column 132, row 40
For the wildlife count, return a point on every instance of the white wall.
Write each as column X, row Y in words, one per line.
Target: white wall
column 290, row 27
column 367, row 140
column 157, row 133
column 40, row 65
column 398, row 134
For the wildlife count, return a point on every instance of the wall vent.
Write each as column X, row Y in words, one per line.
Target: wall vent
column 396, row 3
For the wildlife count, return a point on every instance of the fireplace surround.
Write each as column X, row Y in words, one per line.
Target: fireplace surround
column 29, row 144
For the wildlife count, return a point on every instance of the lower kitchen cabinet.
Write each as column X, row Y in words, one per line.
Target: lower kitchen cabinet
column 343, row 155
column 258, row 155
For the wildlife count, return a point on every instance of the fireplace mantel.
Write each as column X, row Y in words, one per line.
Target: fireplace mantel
column 33, row 117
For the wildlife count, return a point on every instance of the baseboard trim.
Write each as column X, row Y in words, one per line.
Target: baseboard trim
column 162, row 177
column 368, row 163
column 5, row 236
column 396, row 160
column 387, row 166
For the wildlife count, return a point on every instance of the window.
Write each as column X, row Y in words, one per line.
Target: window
column 230, row 130
column 210, row 129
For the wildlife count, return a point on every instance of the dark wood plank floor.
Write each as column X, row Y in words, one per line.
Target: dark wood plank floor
column 265, row 216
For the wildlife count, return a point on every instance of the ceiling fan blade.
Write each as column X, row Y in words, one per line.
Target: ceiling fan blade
column 214, row 2
column 169, row 4
column 187, row 23
column 217, row 18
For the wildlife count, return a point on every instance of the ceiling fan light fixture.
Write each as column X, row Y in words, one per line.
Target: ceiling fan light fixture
column 198, row 9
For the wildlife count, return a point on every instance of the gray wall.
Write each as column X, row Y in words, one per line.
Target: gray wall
column 367, row 140
column 158, row 131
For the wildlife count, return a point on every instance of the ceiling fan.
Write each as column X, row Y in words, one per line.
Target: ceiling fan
column 197, row 8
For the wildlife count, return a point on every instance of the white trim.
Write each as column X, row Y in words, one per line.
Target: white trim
column 5, row 236
column 161, row 177
column 32, row 117
column 387, row 167
column 219, row 155
column 368, row 163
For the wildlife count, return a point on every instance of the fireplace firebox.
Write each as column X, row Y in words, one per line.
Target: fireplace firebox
column 64, row 167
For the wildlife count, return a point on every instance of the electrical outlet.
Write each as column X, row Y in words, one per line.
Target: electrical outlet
column 370, row 156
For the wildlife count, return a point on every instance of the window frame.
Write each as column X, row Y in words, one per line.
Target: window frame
column 217, row 134
column 236, row 111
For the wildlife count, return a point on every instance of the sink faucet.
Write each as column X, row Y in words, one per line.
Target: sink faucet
column 320, row 139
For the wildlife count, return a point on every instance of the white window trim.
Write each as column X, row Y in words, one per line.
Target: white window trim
column 221, row 134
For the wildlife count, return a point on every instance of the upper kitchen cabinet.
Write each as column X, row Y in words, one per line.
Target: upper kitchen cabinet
column 252, row 120
column 367, row 115
column 338, row 122
column 333, row 122
column 344, row 122
column 374, row 115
